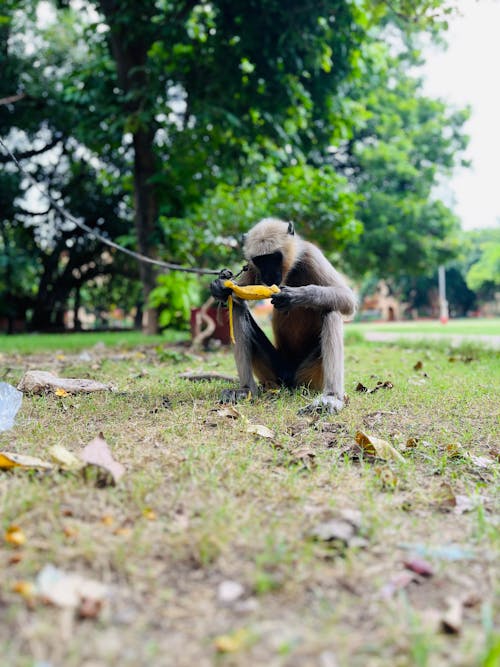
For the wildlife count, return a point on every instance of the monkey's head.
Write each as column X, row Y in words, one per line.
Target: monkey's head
column 270, row 248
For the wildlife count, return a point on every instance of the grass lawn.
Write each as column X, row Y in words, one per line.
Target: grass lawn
column 205, row 502
column 464, row 326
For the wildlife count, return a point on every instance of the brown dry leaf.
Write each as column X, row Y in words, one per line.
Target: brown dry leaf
column 233, row 642
column 10, row 460
column 65, row 458
column 445, row 498
column 454, row 451
column 15, row 536
column 411, row 442
column 361, row 387
column 376, row 447
column 387, row 476
column 97, row 453
column 304, row 455
column 229, row 411
column 418, row 366
column 381, row 385
column 261, row 430
column 61, row 392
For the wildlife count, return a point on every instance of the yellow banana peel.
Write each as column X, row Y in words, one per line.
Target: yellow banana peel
column 249, row 292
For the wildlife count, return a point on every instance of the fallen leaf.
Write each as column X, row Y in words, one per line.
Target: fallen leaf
column 107, row 520
column 24, row 588
column 15, row 558
column 61, row 392
column 387, row 476
column 69, row 590
column 463, row 504
column 445, row 497
column 451, row 621
column 376, row 447
column 97, row 453
column 12, row 460
column 453, row 450
column 418, row 366
column 65, row 458
column 259, row 429
column 361, row 387
column 149, row 514
column 419, row 566
column 15, row 536
column 481, row 461
column 232, row 642
column 229, row 591
column 411, row 442
column 304, row 455
column 228, row 411
column 335, row 530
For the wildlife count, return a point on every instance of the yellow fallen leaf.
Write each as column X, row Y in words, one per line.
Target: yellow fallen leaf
column 12, row 460
column 61, row 392
column 60, row 357
column 374, row 446
column 232, row 642
column 15, row 536
column 65, row 458
column 124, row 531
column 149, row 514
column 24, row 588
column 107, row 520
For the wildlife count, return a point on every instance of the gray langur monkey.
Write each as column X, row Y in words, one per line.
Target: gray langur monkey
column 307, row 317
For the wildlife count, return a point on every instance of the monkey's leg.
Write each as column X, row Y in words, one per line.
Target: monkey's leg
column 253, row 352
column 332, row 354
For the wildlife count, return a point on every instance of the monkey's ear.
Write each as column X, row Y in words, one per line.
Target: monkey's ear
column 291, row 229
column 243, row 239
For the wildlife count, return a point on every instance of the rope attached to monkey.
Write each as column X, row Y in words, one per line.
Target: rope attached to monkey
column 248, row 292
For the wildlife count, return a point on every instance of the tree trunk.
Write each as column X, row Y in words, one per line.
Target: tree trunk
column 146, row 213
column 130, row 49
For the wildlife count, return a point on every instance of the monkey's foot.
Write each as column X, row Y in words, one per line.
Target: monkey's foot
column 327, row 403
column 235, row 395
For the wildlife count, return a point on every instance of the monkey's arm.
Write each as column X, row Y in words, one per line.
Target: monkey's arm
column 328, row 298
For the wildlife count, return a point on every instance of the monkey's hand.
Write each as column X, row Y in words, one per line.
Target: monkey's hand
column 218, row 291
column 287, row 298
column 326, row 403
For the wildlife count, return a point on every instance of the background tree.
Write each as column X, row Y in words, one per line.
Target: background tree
column 193, row 119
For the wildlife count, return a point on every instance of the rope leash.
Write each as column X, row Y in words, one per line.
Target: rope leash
column 136, row 255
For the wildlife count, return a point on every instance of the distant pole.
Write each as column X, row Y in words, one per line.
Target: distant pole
column 443, row 304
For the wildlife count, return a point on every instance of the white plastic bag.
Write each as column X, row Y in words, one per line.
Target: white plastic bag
column 10, row 402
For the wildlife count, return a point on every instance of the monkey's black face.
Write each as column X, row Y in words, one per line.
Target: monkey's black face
column 270, row 267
